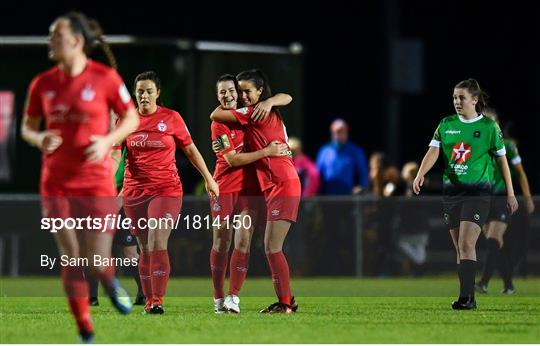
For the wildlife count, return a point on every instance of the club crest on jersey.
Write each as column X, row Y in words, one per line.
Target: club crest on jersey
column 162, row 126
column 244, row 110
column 50, row 94
column 216, row 207
column 461, row 152
column 88, row 94
column 476, row 134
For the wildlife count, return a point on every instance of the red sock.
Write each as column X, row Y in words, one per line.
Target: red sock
column 218, row 267
column 76, row 289
column 238, row 271
column 280, row 276
column 160, row 269
column 144, row 274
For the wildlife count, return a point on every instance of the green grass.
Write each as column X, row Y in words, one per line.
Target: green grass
column 332, row 310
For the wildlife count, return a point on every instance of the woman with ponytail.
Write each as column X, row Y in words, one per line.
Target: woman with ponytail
column 277, row 176
column 468, row 141
column 75, row 98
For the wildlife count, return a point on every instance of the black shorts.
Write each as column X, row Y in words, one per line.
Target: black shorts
column 123, row 236
column 471, row 204
column 499, row 209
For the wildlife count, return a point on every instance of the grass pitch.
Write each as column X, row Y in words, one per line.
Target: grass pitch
column 332, row 310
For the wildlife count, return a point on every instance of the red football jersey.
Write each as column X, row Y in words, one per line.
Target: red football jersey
column 79, row 107
column 232, row 179
column 270, row 170
column 150, row 163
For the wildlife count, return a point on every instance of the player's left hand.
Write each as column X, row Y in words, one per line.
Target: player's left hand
column 261, row 110
column 99, row 148
column 212, row 188
column 512, row 203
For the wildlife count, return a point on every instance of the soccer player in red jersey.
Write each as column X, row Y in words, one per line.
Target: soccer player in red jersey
column 239, row 189
column 152, row 186
column 276, row 175
column 75, row 98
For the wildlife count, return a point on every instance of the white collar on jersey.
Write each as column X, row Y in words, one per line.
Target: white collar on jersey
column 468, row 121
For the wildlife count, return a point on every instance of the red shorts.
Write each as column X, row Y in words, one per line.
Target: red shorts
column 91, row 205
column 282, row 200
column 141, row 209
column 228, row 204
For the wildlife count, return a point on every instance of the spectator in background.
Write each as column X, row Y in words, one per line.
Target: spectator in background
column 307, row 170
column 384, row 178
column 342, row 164
column 413, row 226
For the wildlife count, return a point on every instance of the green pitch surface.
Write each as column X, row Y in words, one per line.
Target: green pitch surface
column 332, row 310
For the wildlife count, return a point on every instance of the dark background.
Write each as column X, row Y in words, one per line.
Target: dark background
column 346, row 55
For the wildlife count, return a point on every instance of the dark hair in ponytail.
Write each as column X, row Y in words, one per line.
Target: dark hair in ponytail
column 472, row 86
column 259, row 79
column 92, row 33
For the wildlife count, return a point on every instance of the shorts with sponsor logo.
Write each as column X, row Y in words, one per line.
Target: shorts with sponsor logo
column 141, row 209
column 499, row 209
column 58, row 202
column 466, row 203
column 282, row 200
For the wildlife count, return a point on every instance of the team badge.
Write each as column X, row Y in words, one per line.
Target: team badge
column 162, row 126
column 461, row 152
column 244, row 110
column 446, row 218
column 476, row 134
column 129, row 238
column 88, row 94
column 476, row 217
column 216, row 207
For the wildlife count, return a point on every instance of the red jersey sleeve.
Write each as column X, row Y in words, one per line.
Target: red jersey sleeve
column 224, row 132
column 118, row 96
column 243, row 115
column 181, row 134
column 33, row 106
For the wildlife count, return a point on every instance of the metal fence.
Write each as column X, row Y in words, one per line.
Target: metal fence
column 334, row 236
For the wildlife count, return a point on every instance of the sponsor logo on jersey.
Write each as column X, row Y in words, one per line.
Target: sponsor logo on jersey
column 162, row 126
column 124, row 93
column 452, row 132
column 461, row 152
column 88, row 94
column 275, row 212
column 244, row 110
column 141, row 141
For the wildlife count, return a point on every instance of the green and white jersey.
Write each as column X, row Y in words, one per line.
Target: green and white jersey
column 468, row 146
column 512, row 154
column 119, row 175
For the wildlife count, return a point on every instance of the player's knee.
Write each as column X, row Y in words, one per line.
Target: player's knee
column 221, row 244
column 270, row 247
column 466, row 248
column 243, row 244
